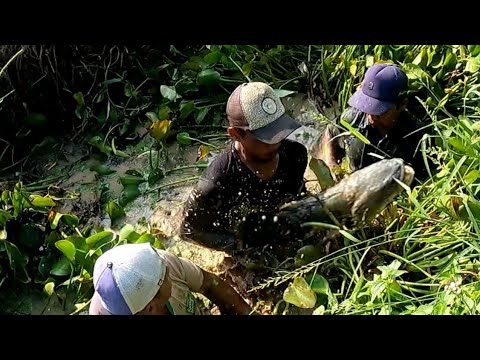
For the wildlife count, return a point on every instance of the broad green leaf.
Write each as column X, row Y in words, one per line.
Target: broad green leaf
column 247, row 68
column 62, row 267
column 79, row 98
column 102, row 170
column 67, row 219
column 378, row 287
column 129, row 193
column 300, row 294
column 213, row 57
column 158, row 245
column 3, row 234
column 99, row 239
column 201, row 113
column 48, row 288
column 472, row 176
column 183, row 138
column 322, row 172
column 369, row 60
column 169, row 92
column 318, row 284
column 473, row 65
column 146, row 238
column 115, row 211
column 459, row 145
column 163, row 113
column 128, row 233
column 42, row 201
column 4, row 217
column 208, row 77
column 152, row 116
column 131, row 180
column 186, row 109
column 353, row 69
column 67, row 248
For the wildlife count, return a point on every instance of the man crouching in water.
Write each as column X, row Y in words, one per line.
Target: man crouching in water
column 258, row 172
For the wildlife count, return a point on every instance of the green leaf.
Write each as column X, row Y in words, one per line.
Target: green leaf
column 67, row 219
column 129, row 193
column 131, row 180
column 282, row 93
column 247, row 68
column 472, row 176
column 459, row 145
column 158, row 245
column 99, row 239
column 322, row 172
column 213, row 57
column 378, row 287
column 169, row 92
column 79, row 98
column 186, row 109
column 318, row 284
column 115, row 211
column 473, row 65
column 62, row 267
column 208, row 77
column 354, row 132
column 155, row 175
column 369, row 61
column 102, row 170
column 118, row 152
column 146, row 238
column 300, row 294
column 164, row 113
column 67, row 248
column 4, row 217
column 152, row 116
column 129, row 90
column 42, row 201
column 183, row 138
column 3, row 235
column 128, row 233
column 201, row 113
column 48, row 288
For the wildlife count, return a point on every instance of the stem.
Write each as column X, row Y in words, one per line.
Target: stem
column 174, row 183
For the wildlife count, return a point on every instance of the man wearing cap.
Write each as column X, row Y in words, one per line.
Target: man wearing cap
column 137, row 279
column 258, row 171
column 378, row 111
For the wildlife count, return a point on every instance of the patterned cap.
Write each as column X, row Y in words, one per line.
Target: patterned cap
column 255, row 106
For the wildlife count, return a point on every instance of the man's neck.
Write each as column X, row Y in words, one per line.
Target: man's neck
column 263, row 170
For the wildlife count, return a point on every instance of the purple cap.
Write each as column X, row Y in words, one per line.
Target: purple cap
column 381, row 87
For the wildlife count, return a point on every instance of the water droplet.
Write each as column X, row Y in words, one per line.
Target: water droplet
column 275, row 219
column 264, row 217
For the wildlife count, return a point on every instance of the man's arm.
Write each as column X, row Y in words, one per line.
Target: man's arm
column 202, row 213
column 223, row 295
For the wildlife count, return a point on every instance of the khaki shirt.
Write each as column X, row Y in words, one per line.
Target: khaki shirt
column 186, row 278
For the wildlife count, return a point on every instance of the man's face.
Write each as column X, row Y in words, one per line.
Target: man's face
column 255, row 149
column 159, row 302
column 385, row 120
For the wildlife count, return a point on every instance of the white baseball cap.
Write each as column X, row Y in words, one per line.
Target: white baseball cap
column 126, row 278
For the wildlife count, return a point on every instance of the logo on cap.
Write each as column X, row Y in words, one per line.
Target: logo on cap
column 370, row 85
column 269, row 106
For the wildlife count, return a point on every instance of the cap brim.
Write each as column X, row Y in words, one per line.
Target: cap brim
column 277, row 130
column 368, row 104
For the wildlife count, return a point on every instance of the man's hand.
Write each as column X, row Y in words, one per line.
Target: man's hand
column 223, row 295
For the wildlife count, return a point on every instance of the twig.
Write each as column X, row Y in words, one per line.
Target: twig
column 11, row 60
